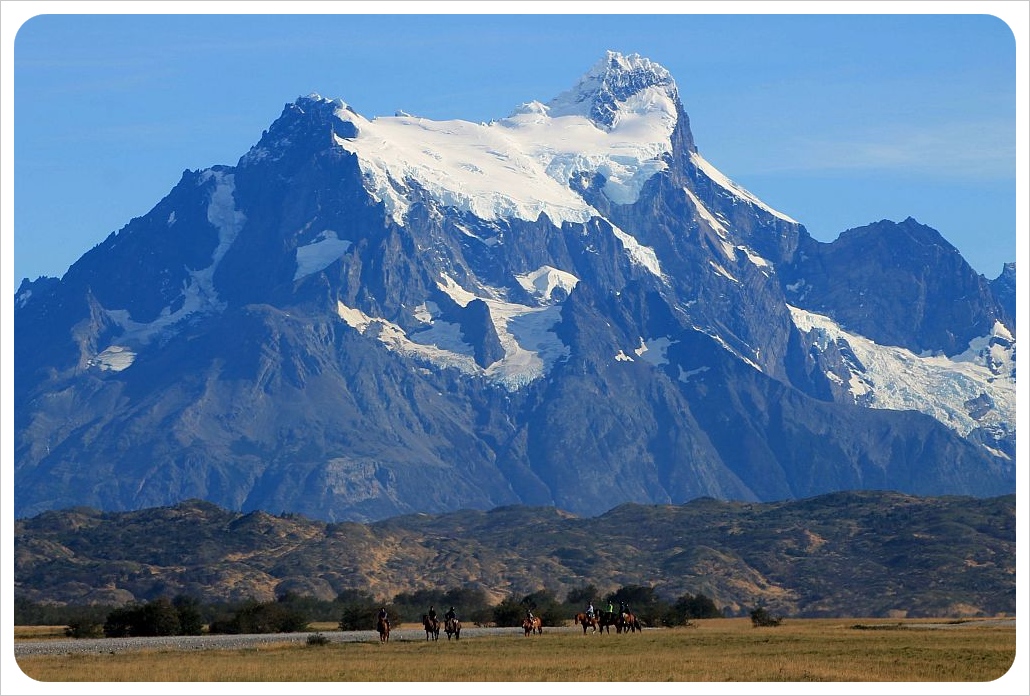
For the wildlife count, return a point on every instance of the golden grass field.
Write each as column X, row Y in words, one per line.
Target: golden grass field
column 718, row 650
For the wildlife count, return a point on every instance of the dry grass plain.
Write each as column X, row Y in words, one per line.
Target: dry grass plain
column 724, row 650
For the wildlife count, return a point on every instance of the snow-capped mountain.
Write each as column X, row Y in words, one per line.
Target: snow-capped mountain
column 569, row 306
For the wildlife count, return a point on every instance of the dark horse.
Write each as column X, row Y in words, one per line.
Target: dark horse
column 453, row 626
column 383, row 626
column 534, row 625
column 591, row 621
column 432, row 627
column 626, row 623
column 608, row 619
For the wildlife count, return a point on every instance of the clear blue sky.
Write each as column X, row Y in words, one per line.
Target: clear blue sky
column 836, row 120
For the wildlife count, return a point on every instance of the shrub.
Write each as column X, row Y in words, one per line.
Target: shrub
column 579, row 597
column 317, row 639
column 157, row 618
column 761, row 617
column 191, row 622
column 509, row 612
column 253, row 617
column 84, row 629
column 689, row 607
column 642, row 601
column 360, row 616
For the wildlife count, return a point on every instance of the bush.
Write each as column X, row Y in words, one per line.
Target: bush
column 84, row 629
column 509, row 612
column 642, row 601
column 578, row 597
column 690, row 607
column 761, row 617
column 28, row 613
column 317, row 639
column 470, row 603
column 269, row 617
column 546, row 606
column 191, row 622
column 358, row 612
column 157, row 618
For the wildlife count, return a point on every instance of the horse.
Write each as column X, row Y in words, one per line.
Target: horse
column 383, row 626
column 627, row 623
column 534, row 625
column 432, row 627
column 607, row 620
column 453, row 626
column 591, row 621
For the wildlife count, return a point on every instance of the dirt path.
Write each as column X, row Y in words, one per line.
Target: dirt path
column 227, row 642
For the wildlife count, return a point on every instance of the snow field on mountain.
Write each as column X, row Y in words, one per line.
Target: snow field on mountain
column 725, row 182
column 199, row 294
column 939, row 386
column 517, row 167
column 314, row 257
column 545, row 280
column 526, row 334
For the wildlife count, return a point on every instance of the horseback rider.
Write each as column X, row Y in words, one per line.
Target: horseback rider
column 383, row 615
column 609, row 610
column 590, row 610
column 529, row 615
column 432, row 613
column 450, row 614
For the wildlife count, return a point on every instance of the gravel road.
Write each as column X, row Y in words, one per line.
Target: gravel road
column 227, row 642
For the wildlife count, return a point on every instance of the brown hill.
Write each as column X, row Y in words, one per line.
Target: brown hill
column 855, row 553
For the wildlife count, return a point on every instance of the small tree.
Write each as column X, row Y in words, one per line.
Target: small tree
column 84, row 628
column 581, row 596
column 689, row 607
column 254, row 617
column 317, row 639
column 509, row 612
column 761, row 617
column 358, row 611
column 545, row 606
column 642, row 601
column 191, row 623
column 157, row 618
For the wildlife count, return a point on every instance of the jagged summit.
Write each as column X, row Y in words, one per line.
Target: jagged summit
column 618, row 85
column 523, row 166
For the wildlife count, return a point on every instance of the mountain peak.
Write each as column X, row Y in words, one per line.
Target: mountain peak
column 616, row 85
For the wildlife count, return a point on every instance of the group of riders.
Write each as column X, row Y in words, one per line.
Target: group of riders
column 609, row 611
column 383, row 615
column 591, row 613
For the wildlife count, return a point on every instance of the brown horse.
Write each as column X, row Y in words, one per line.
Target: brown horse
column 432, row 627
column 591, row 621
column 383, row 626
column 453, row 626
column 627, row 623
column 534, row 625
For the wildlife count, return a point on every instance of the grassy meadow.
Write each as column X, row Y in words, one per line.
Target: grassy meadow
column 802, row 650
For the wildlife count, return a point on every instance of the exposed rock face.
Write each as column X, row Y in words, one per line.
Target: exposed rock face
column 898, row 284
column 481, row 315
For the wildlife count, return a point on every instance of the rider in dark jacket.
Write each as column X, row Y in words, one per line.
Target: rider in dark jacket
column 450, row 614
